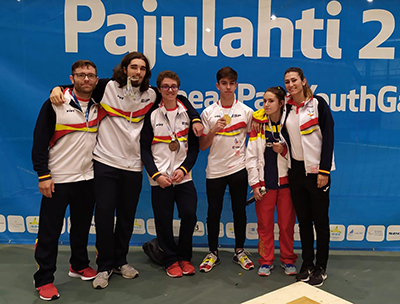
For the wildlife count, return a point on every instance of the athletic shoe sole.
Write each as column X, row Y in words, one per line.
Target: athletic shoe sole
column 208, row 270
column 322, row 283
column 77, row 275
column 288, row 273
column 188, row 273
column 306, row 279
column 124, row 276
column 50, row 299
column 240, row 264
column 102, row 287
column 263, row 274
column 173, row 276
column 54, row 297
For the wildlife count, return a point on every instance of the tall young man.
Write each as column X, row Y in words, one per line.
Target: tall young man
column 169, row 150
column 125, row 99
column 63, row 143
column 226, row 124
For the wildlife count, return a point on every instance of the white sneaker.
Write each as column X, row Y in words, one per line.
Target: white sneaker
column 241, row 258
column 101, row 279
column 127, row 271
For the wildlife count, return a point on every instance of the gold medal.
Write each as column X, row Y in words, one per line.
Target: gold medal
column 173, row 145
column 227, row 119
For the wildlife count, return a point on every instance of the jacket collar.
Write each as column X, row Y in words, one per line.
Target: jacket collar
column 298, row 106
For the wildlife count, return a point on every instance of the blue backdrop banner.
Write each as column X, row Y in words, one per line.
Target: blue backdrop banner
column 347, row 49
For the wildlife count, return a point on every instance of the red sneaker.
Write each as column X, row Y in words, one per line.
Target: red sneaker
column 187, row 268
column 174, row 270
column 85, row 274
column 48, row 292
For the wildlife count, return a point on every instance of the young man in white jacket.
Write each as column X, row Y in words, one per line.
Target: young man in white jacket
column 226, row 124
column 169, row 150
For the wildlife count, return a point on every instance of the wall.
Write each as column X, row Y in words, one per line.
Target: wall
column 347, row 49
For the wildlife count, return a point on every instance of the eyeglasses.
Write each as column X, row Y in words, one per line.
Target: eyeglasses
column 166, row 88
column 82, row 76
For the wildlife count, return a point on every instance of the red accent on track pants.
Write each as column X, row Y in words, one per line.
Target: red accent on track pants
column 265, row 210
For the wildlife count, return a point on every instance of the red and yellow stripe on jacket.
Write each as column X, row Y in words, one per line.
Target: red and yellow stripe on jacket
column 135, row 116
column 71, row 146
column 232, row 130
column 181, row 136
column 63, row 129
column 309, row 126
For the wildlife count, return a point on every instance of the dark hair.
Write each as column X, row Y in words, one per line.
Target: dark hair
column 120, row 76
column 308, row 93
column 227, row 72
column 167, row 74
column 82, row 63
column 278, row 91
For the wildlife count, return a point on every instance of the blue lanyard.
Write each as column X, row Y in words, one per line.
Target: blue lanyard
column 79, row 106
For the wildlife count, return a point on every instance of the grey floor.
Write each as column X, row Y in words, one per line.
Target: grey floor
column 358, row 277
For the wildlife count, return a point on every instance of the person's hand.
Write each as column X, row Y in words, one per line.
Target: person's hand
column 255, row 126
column 198, row 129
column 47, row 188
column 257, row 194
column 57, row 96
column 278, row 147
column 164, row 181
column 322, row 180
column 220, row 124
column 178, row 176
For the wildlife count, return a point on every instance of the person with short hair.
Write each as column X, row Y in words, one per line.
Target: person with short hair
column 63, row 143
column 226, row 124
column 267, row 163
column 125, row 100
column 169, row 151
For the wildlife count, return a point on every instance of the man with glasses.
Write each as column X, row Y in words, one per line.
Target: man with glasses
column 124, row 99
column 169, row 150
column 63, row 143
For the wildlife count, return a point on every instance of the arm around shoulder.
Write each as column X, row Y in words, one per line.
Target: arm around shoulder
column 252, row 159
column 44, row 130
column 194, row 116
column 146, row 138
column 193, row 151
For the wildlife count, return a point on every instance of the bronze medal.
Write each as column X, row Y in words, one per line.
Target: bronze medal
column 173, row 145
column 227, row 119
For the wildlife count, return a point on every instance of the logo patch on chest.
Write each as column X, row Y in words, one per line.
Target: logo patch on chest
column 310, row 111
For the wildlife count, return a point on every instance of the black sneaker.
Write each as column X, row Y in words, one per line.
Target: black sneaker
column 304, row 273
column 318, row 277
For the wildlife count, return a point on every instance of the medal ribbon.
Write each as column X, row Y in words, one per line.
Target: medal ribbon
column 269, row 144
column 230, row 111
column 79, row 105
column 167, row 123
column 129, row 90
column 173, row 137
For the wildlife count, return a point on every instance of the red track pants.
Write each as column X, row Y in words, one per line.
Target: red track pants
column 265, row 210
